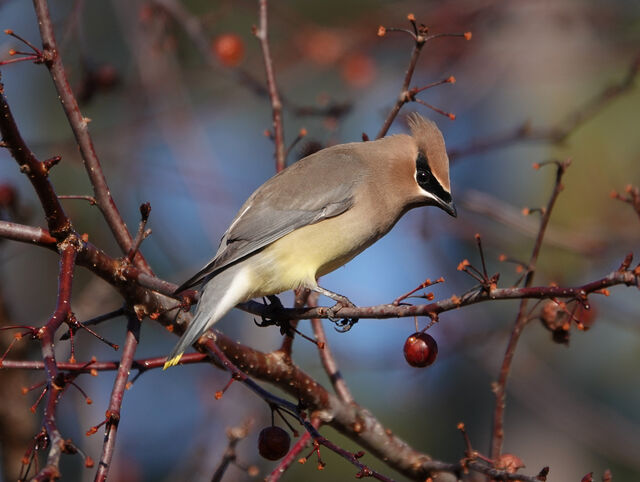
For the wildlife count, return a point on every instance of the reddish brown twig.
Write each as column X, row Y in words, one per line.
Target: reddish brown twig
column 117, row 394
column 420, row 38
column 293, row 454
column 521, row 319
column 628, row 278
column 328, row 361
column 142, row 234
column 56, row 384
column 94, row 321
column 111, row 271
column 302, row 295
column 37, row 172
column 36, row 56
column 276, row 104
column 27, row 234
column 234, row 435
column 360, row 425
column 354, row 459
column 101, row 366
column 425, row 284
column 632, row 197
column 80, row 127
column 90, row 199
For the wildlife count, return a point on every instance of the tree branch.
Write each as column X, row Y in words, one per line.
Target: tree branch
column 521, row 319
column 37, row 172
column 117, row 394
column 80, row 127
column 276, row 104
column 328, row 361
column 56, row 384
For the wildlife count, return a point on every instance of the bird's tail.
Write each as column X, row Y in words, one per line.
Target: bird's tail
column 219, row 296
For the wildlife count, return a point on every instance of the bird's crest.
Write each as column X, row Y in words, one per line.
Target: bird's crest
column 431, row 143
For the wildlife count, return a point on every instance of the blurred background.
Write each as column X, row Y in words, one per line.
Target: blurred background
column 175, row 94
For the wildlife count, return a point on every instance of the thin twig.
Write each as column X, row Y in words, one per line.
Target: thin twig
column 142, row 364
column 235, row 435
column 80, row 127
column 521, row 320
column 97, row 320
column 420, row 37
column 141, row 235
column 90, row 199
column 276, row 104
column 58, row 222
column 403, row 98
column 357, row 424
column 632, row 197
column 56, row 384
column 302, row 295
column 117, row 394
column 328, row 361
column 292, row 455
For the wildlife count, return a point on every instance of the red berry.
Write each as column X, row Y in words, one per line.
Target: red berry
column 420, row 350
column 229, row 49
column 273, row 443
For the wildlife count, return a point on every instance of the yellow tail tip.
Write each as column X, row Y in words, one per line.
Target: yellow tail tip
column 174, row 361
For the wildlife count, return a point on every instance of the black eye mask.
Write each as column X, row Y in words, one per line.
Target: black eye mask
column 427, row 181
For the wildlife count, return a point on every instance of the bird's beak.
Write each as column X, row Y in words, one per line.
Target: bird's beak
column 448, row 207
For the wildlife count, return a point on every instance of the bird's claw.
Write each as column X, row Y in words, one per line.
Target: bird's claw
column 283, row 324
column 342, row 324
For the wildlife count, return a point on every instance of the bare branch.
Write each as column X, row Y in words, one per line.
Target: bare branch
column 117, row 394
column 276, row 104
column 80, row 127
column 328, row 361
column 521, row 319
column 37, row 172
column 420, row 37
column 292, row 456
column 55, row 383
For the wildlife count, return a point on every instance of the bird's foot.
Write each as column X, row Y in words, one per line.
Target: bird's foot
column 282, row 323
column 342, row 324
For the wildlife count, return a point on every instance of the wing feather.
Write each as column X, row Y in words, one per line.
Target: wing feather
column 276, row 208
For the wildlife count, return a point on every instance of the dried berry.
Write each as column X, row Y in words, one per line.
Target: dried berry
column 273, row 443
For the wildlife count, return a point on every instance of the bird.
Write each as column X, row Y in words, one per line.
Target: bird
column 316, row 215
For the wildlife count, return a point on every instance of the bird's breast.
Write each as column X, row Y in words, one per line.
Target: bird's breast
column 307, row 253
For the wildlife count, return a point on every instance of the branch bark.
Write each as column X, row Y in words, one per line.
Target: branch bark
column 117, row 394
column 521, row 320
column 276, row 103
column 80, row 127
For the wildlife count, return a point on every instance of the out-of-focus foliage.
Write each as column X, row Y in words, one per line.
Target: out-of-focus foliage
column 185, row 133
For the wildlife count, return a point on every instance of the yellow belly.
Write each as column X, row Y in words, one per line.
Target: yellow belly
column 302, row 256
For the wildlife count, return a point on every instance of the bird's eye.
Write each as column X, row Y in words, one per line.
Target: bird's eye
column 422, row 176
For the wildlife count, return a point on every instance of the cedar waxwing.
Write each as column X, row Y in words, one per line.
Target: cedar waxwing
column 315, row 216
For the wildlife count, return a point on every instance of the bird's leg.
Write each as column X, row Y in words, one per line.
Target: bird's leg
column 342, row 324
column 275, row 302
column 283, row 324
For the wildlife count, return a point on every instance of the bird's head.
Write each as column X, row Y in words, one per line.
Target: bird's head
column 431, row 166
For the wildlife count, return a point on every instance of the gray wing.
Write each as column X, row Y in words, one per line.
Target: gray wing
column 290, row 200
